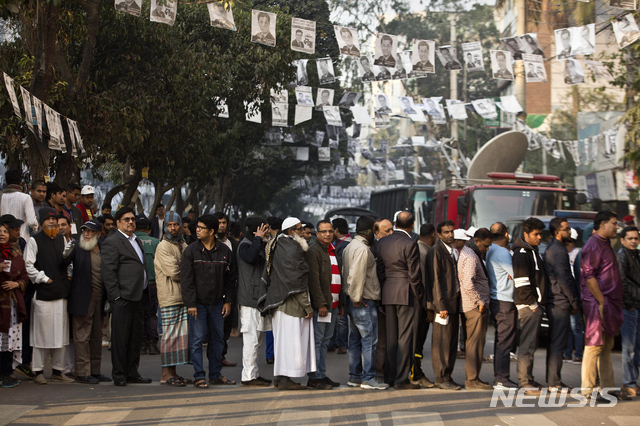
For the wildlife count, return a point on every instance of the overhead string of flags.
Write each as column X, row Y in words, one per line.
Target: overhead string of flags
column 386, row 63
column 41, row 118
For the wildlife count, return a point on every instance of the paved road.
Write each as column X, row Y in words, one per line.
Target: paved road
column 105, row 404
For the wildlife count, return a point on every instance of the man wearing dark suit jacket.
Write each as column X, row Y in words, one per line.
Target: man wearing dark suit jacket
column 157, row 223
column 124, row 274
column 443, row 297
column 402, row 295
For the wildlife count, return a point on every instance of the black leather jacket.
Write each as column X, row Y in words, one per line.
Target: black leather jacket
column 629, row 264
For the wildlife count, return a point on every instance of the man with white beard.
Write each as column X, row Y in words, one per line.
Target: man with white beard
column 287, row 299
column 85, row 304
column 47, row 271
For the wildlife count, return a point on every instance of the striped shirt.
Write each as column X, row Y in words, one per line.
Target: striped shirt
column 474, row 284
column 336, row 283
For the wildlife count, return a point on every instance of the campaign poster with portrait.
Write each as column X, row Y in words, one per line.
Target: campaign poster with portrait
column 423, row 57
column 448, row 59
column 382, row 104
column 599, row 70
column 132, row 7
column 263, row 27
column 501, row 65
column 534, row 71
column 531, row 44
column 386, row 50
column 324, row 97
column 513, row 46
column 349, row 99
column 221, row 17
column 279, row 114
column 365, row 68
column 304, row 96
column 472, row 55
column 583, row 39
column 302, row 76
column 332, row 115
column 303, row 35
column 347, row 41
column 625, row 30
column 164, row 11
column 325, row 71
column 573, row 72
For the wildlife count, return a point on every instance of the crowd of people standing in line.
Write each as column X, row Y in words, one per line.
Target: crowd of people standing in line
column 174, row 286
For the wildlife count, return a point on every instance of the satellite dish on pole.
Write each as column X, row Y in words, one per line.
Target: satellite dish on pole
column 502, row 154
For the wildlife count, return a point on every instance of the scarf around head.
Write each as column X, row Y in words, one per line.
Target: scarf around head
column 6, row 248
column 173, row 217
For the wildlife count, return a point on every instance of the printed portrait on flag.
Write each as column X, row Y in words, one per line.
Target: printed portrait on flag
column 220, row 17
column 347, row 41
column 132, row 7
column 263, row 27
column 386, row 52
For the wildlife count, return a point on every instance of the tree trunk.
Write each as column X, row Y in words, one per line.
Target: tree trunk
column 179, row 201
column 171, row 199
column 133, row 187
column 112, row 193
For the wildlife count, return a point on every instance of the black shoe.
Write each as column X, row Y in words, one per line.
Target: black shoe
column 25, row 371
column 8, row 382
column 144, row 348
column 285, row 383
column 270, row 360
column 102, row 377
column 87, row 380
column 139, row 379
column 407, row 386
column 319, row 384
column 153, row 348
column 447, row 386
column 255, row 383
column 264, row 380
column 119, row 382
column 331, row 382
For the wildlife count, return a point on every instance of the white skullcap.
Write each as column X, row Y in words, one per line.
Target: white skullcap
column 460, row 234
column 290, row 222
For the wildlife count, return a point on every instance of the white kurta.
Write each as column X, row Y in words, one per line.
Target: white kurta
column 49, row 323
column 252, row 326
column 294, row 345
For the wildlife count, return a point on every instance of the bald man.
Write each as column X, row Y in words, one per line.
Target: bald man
column 402, row 295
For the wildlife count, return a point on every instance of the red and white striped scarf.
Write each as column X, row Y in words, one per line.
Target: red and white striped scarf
column 336, row 283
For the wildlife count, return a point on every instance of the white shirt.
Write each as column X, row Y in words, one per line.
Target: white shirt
column 29, row 256
column 20, row 205
column 136, row 247
column 228, row 244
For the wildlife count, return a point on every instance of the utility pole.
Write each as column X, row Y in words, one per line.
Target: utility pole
column 518, row 70
column 453, row 75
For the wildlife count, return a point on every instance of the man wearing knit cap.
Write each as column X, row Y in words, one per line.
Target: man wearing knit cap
column 287, row 299
column 325, row 287
column 174, row 346
column 149, row 245
column 251, row 261
column 47, row 270
column 85, row 304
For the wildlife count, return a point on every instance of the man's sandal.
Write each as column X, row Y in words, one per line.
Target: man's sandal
column 201, row 383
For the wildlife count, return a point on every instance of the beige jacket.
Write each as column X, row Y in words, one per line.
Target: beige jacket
column 359, row 268
column 167, row 267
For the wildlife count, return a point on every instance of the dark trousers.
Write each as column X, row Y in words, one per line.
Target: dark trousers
column 6, row 363
column 476, row 325
column 150, row 296
column 208, row 326
column 269, row 345
column 462, row 332
column 381, row 347
column 229, row 322
column 444, row 346
column 87, row 340
column 504, row 316
column 400, row 342
column 529, row 328
column 559, row 329
column 27, row 349
column 421, row 338
column 127, row 325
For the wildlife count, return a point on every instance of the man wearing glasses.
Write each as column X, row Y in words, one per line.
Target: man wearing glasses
column 562, row 298
column 124, row 274
column 207, row 278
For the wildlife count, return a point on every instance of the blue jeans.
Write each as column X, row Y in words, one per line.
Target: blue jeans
column 322, row 332
column 209, row 326
column 341, row 335
column 269, row 345
column 576, row 337
column 363, row 320
column 630, row 332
